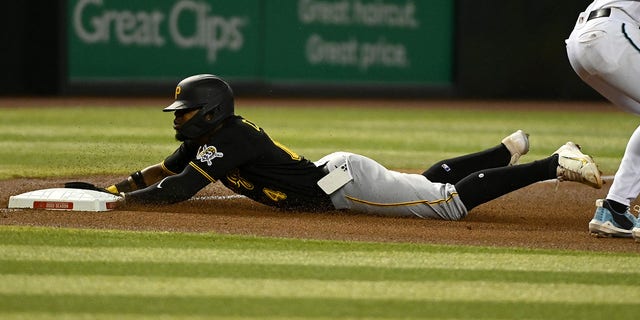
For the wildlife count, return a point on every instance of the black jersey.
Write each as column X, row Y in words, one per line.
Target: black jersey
column 246, row 160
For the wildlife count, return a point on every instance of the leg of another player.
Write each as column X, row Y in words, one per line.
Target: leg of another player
column 626, row 184
column 612, row 217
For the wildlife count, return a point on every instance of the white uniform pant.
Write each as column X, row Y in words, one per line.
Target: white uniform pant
column 377, row 190
column 605, row 53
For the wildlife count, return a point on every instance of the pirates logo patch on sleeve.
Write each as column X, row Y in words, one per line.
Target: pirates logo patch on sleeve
column 208, row 153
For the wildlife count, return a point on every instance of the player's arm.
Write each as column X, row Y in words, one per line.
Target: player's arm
column 171, row 189
column 174, row 163
column 141, row 179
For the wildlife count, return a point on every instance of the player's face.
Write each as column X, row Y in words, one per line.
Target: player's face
column 181, row 117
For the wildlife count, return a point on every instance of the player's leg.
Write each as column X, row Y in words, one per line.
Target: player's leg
column 607, row 61
column 489, row 184
column 455, row 169
column 612, row 217
column 377, row 190
column 607, row 56
column 568, row 163
column 626, row 184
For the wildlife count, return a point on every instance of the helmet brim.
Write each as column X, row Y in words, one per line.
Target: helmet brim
column 181, row 105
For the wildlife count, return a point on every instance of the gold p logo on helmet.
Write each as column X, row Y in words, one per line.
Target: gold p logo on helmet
column 178, row 90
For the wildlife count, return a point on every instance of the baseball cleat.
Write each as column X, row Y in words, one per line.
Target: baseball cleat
column 573, row 165
column 635, row 232
column 518, row 144
column 608, row 223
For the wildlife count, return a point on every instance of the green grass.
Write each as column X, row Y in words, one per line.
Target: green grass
column 73, row 274
column 37, row 142
column 49, row 273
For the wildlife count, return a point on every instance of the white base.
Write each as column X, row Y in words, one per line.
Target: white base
column 65, row 199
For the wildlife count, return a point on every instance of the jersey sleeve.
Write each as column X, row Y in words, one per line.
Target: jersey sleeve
column 171, row 189
column 176, row 162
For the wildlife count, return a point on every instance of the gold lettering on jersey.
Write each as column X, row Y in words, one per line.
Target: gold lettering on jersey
column 274, row 194
column 234, row 177
column 178, row 90
column 253, row 125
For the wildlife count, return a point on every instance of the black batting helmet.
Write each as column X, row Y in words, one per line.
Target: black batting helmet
column 210, row 94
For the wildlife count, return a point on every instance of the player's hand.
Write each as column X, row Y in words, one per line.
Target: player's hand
column 121, row 202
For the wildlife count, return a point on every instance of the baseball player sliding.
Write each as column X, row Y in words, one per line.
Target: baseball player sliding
column 218, row 145
column 604, row 50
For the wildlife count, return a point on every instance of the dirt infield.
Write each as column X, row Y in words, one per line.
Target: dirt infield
column 538, row 216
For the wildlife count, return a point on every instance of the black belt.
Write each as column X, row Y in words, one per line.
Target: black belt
column 600, row 13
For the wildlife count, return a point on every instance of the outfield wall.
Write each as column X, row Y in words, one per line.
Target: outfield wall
column 391, row 48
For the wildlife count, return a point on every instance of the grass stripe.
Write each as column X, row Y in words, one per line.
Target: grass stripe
column 325, row 289
column 293, row 272
column 94, row 316
column 69, row 237
column 407, row 130
column 311, row 308
column 85, row 272
column 449, row 260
